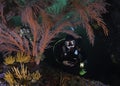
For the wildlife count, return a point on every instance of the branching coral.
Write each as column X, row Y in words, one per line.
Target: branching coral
column 53, row 19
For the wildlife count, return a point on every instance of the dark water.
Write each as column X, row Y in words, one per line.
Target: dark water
column 100, row 66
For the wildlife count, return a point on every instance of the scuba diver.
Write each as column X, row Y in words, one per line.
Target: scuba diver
column 70, row 56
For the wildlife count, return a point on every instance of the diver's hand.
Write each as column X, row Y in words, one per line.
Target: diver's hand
column 82, row 65
column 68, row 63
column 65, row 54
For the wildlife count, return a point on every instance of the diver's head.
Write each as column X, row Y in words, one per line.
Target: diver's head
column 70, row 42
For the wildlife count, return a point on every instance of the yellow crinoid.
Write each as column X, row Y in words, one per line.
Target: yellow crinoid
column 8, row 76
column 22, row 58
column 21, row 73
column 36, row 75
column 9, row 60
